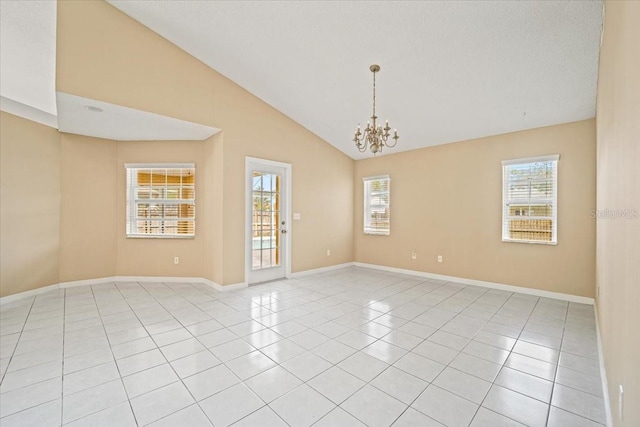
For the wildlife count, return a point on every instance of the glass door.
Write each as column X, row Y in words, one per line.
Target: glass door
column 268, row 225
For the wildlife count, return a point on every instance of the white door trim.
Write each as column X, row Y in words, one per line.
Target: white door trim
column 248, row 208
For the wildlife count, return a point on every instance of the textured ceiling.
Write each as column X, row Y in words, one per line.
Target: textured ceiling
column 78, row 115
column 451, row 70
column 28, row 53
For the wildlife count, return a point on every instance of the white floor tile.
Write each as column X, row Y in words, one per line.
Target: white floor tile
column 87, row 402
column 384, row 351
column 462, row 384
column 195, row 363
column 90, row 377
column 526, row 384
column 139, row 362
column 399, row 384
column 160, row 402
column 445, row 407
column 148, row 380
column 363, row 366
column 337, row 330
column 302, row 406
column 402, row 339
column 250, row 364
column 413, row 418
column 561, row 418
column 336, row 384
column 273, row 383
column 181, row 349
column 119, row 415
column 306, row 366
column 373, row 407
column 475, row 366
column 44, row 415
column 209, row 382
column 437, row 352
column 309, row 339
column 263, row 417
column 231, row 405
column 339, row 418
column 356, row 339
column 516, row 406
column 32, row 375
column 27, row 397
column 487, row 418
column 191, row 416
column 580, row 403
column 282, row 350
column 418, row 366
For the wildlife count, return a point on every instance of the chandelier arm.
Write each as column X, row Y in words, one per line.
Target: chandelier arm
column 395, row 141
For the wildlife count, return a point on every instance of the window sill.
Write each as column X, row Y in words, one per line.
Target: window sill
column 133, row 236
column 530, row 242
column 373, row 233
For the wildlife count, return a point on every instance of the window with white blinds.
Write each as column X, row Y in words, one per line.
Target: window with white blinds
column 530, row 200
column 377, row 218
column 161, row 200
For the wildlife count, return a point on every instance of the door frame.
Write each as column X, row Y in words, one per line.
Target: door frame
column 252, row 162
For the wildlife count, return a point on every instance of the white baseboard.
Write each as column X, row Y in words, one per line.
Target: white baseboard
column 603, row 372
column 492, row 285
column 26, row 294
column 100, row 280
column 225, row 288
column 320, row 270
column 235, row 286
column 86, row 282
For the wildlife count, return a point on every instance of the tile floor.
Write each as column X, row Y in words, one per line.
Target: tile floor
column 351, row 347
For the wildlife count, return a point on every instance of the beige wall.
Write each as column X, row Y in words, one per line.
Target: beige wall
column 29, row 205
column 447, row 200
column 154, row 257
column 103, row 54
column 88, row 212
column 618, row 240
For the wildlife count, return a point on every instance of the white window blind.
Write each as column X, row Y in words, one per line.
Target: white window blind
column 530, row 200
column 161, row 200
column 377, row 191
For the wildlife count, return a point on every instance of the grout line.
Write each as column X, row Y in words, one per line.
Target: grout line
column 387, row 289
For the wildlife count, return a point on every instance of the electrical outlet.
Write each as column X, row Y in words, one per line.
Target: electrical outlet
column 328, row 252
column 620, row 402
column 176, row 260
column 439, row 258
column 414, row 255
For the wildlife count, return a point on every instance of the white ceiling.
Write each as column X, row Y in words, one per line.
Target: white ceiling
column 28, row 54
column 451, row 70
column 119, row 123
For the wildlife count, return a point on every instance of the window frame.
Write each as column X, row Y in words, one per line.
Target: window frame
column 367, row 229
column 132, row 170
column 552, row 201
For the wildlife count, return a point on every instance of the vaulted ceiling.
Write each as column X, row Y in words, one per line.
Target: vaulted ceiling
column 451, row 70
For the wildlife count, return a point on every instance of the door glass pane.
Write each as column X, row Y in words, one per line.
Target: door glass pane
column 266, row 220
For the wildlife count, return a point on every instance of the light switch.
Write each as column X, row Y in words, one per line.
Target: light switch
column 297, row 216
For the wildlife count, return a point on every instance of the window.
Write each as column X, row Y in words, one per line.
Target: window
column 161, row 200
column 529, row 199
column 376, row 205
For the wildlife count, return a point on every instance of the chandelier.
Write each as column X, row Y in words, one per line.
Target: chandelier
column 374, row 136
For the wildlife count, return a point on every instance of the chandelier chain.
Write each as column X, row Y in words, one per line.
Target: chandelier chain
column 374, row 95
